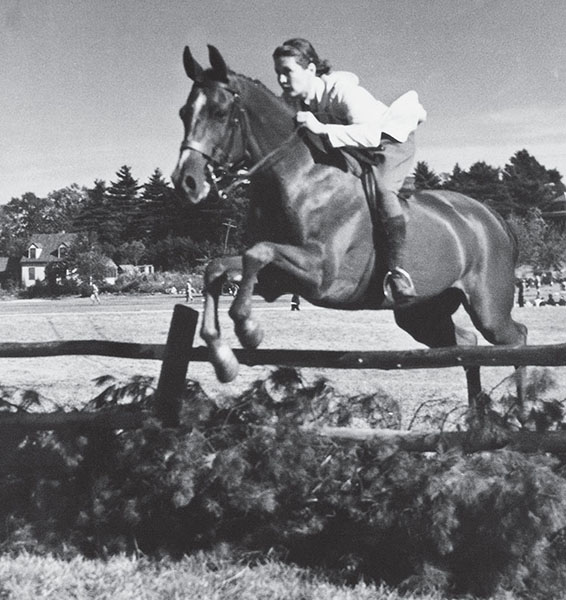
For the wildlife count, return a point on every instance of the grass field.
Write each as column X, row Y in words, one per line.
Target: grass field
column 68, row 381
column 199, row 577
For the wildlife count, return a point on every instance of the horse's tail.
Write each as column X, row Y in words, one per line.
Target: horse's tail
column 511, row 231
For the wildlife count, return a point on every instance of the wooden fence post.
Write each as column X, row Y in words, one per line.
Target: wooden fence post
column 172, row 379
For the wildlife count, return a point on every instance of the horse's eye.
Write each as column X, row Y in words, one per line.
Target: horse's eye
column 218, row 113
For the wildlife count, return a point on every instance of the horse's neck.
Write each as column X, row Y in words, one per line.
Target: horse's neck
column 270, row 120
column 279, row 156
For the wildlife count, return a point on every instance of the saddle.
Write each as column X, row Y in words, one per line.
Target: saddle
column 350, row 159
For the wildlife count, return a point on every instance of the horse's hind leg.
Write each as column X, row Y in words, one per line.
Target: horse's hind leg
column 431, row 323
column 491, row 314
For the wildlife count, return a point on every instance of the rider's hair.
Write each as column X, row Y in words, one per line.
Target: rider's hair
column 304, row 53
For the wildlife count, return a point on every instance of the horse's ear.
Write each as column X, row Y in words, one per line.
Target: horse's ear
column 192, row 68
column 219, row 68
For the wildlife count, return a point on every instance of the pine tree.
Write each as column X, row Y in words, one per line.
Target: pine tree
column 483, row 183
column 158, row 209
column 96, row 217
column 123, row 201
column 425, row 178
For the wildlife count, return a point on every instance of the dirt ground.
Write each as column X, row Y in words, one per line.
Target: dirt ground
column 69, row 380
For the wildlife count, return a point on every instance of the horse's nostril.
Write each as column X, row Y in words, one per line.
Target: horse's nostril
column 190, row 183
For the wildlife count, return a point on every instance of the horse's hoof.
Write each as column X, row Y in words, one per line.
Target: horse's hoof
column 225, row 364
column 249, row 333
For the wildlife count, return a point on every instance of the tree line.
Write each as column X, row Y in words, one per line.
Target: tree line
column 137, row 223
column 520, row 192
column 128, row 222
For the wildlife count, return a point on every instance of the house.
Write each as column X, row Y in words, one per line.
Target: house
column 136, row 269
column 9, row 270
column 43, row 249
column 110, row 271
column 556, row 210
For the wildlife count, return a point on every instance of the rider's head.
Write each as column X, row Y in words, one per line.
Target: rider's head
column 296, row 65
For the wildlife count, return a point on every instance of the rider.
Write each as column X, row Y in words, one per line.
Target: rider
column 357, row 120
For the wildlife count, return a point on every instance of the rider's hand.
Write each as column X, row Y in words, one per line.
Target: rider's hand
column 304, row 118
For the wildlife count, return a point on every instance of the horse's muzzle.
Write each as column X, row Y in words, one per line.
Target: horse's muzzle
column 188, row 184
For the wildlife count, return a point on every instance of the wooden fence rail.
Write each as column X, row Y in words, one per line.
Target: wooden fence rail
column 177, row 353
column 433, row 358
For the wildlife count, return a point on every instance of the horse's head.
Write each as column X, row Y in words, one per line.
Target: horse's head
column 214, row 120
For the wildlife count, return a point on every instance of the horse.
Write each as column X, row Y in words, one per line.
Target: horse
column 312, row 232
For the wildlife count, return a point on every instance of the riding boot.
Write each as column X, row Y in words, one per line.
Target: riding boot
column 402, row 286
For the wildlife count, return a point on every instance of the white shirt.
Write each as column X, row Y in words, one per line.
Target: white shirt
column 362, row 118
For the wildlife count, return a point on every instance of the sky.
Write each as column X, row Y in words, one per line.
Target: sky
column 87, row 86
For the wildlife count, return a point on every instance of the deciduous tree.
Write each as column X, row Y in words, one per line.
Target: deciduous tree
column 530, row 185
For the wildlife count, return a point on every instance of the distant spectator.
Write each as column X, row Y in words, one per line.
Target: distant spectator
column 94, row 297
column 189, row 292
column 550, row 301
column 295, row 302
column 521, row 293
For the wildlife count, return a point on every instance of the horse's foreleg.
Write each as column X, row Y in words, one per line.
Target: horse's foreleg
column 302, row 264
column 247, row 329
column 221, row 355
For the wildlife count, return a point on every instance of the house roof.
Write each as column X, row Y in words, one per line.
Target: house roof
column 127, row 268
column 556, row 209
column 49, row 243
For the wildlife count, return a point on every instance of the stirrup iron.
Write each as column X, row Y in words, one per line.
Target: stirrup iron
column 388, row 285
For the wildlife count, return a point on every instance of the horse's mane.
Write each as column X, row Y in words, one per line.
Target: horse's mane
column 255, row 82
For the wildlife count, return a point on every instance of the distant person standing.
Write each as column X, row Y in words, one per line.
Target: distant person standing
column 94, row 297
column 189, row 292
column 521, row 293
column 295, row 302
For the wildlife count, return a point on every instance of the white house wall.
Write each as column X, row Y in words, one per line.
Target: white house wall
column 39, row 275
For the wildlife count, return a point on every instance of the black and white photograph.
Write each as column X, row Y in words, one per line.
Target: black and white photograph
column 283, row 299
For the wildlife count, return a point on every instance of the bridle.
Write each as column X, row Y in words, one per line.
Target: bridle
column 225, row 168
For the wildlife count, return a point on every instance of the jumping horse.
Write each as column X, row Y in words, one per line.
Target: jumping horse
column 313, row 235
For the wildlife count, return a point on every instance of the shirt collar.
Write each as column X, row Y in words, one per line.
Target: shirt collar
column 315, row 95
